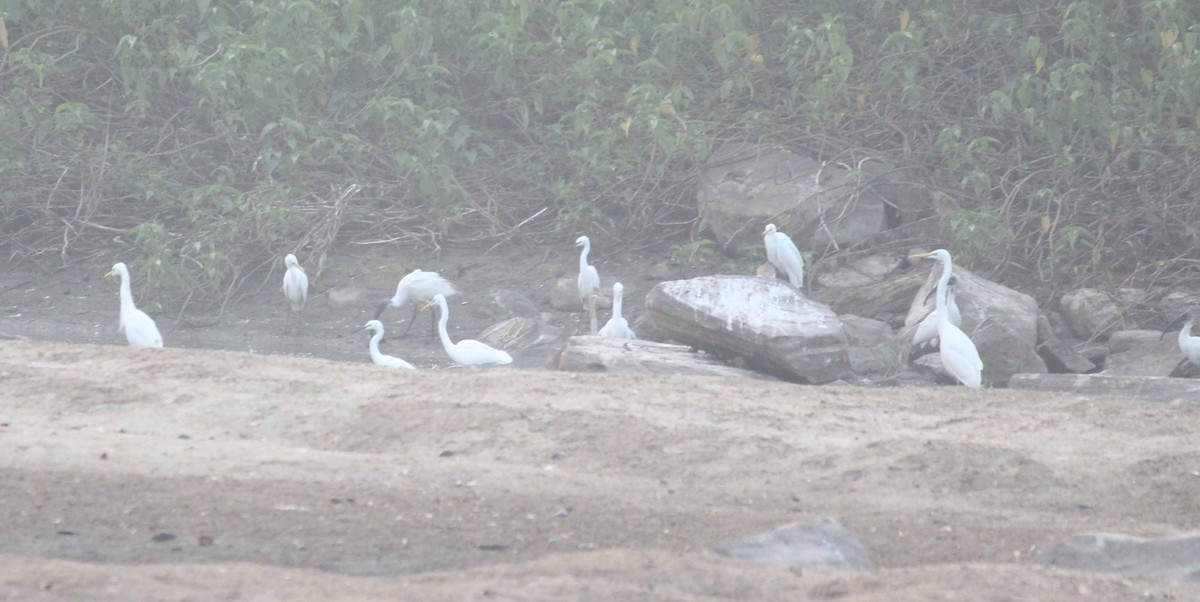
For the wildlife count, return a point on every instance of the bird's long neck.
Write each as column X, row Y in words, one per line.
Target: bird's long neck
column 375, row 338
column 127, row 306
column 400, row 298
column 940, row 301
column 587, row 246
column 1185, row 333
column 442, row 320
column 617, row 304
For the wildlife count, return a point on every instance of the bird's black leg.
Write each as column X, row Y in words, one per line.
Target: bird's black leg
column 408, row 327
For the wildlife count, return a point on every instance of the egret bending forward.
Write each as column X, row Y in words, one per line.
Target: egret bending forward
column 139, row 328
column 417, row 286
column 379, row 358
column 1188, row 344
column 617, row 326
column 783, row 254
column 926, row 333
column 959, row 356
column 295, row 286
column 467, row 352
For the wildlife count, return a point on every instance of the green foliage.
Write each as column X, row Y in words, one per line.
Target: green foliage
column 219, row 133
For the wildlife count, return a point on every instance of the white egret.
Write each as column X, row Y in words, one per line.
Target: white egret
column 617, row 326
column 926, row 333
column 139, row 328
column 783, row 254
column 379, row 358
column 417, row 286
column 589, row 278
column 588, row 281
column 959, row 356
column 295, row 286
column 1188, row 344
column 466, row 352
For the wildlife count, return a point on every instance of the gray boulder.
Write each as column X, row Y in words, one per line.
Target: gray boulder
column 824, row 544
column 763, row 320
column 1174, row 558
column 874, row 348
column 1094, row 314
column 587, row 353
column 868, row 287
column 745, row 186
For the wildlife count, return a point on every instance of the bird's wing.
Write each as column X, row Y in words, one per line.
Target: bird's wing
column 141, row 331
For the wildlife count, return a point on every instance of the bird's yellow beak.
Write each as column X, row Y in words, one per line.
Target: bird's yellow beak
column 301, row 268
column 920, row 256
column 110, row 274
column 427, row 306
column 764, row 232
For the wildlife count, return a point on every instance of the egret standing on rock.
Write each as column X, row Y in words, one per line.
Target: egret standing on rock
column 295, row 286
column 783, row 254
column 467, row 352
column 926, row 333
column 417, row 286
column 138, row 327
column 378, row 358
column 959, row 356
column 617, row 326
column 1188, row 344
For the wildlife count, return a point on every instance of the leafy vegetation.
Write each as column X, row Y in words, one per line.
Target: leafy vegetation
column 211, row 136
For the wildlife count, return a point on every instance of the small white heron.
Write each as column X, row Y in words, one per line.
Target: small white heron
column 588, row 281
column 379, row 358
column 589, row 278
column 783, row 254
column 417, row 287
column 959, row 356
column 617, row 326
column 926, row 333
column 295, row 286
column 467, row 352
column 1188, row 344
column 139, row 328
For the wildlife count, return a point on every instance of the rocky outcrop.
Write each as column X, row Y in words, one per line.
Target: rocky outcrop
column 604, row 354
column 745, row 186
column 765, row 321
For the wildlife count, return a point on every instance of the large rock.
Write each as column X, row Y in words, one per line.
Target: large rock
column 763, row 320
column 745, row 186
column 1127, row 340
column 1094, row 314
column 1174, row 558
column 1001, row 322
column 1059, row 355
column 868, row 287
column 874, row 349
column 824, row 544
column 587, row 353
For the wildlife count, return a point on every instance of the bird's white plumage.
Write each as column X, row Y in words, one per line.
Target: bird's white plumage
column 617, row 326
column 1188, row 344
column 139, row 328
column 379, row 358
column 783, row 254
column 419, row 286
column 589, row 277
column 926, row 332
column 295, row 283
column 959, row 356
column 467, row 352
